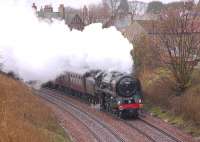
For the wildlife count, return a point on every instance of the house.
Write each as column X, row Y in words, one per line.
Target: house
column 127, row 13
column 133, row 31
column 138, row 28
column 48, row 13
column 71, row 16
column 74, row 21
column 138, row 7
column 61, row 11
column 123, row 8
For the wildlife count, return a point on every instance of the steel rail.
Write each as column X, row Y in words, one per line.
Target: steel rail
column 63, row 109
column 130, row 125
column 160, row 130
column 113, row 132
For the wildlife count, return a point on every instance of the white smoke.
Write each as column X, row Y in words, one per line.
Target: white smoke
column 40, row 51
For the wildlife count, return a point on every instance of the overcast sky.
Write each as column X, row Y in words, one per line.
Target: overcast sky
column 77, row 3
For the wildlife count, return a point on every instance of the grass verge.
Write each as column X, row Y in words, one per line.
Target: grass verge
column 24, row 118
column 161, row 100
column 173, row 119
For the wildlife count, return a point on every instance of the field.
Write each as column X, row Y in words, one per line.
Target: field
column 23, row 117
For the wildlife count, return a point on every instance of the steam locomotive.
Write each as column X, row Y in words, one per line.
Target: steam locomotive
column 117, row 93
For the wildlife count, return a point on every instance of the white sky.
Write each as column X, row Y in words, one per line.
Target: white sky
column 79, row 3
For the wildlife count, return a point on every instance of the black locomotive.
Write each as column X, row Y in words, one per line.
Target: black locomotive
column 116, row 92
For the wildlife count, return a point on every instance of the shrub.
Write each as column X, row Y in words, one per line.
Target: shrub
column 144, row 46
column 158, row 86
column 188, row 105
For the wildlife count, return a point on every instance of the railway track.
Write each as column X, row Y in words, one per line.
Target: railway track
column 97, row 139
column 151, row 132
column 175, row 139
column 100, row 131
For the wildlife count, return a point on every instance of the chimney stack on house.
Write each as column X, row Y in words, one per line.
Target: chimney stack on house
column 34, row 6
column 48, row 9
column 61, row 11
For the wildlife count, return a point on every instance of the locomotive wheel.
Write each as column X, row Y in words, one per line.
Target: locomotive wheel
column 107, row 107
column 63, row 88
column 136, row 114
column 102, row 106
column 102, row 102
column 66, row 90
column 89, row 100
column 97, row 100
column 119, row 114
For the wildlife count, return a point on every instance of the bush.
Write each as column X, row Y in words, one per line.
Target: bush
column 144, row 54
column 158, row 86
column 13, row 75
column 188, row 105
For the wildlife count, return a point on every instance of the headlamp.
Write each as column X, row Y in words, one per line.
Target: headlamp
column 119, row 102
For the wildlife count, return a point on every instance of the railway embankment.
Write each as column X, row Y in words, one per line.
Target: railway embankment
column 24, row 117
column 161, row 101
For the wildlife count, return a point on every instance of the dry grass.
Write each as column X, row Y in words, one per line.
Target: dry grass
column 158, row 88
column 188, row 105
column 23, row 118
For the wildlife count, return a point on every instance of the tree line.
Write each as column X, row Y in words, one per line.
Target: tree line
column 173, row 43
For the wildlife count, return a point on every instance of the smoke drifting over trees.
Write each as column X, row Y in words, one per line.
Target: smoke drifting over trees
column 38, row 50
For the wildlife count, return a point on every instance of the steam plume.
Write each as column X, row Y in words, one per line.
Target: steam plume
column 40, row 51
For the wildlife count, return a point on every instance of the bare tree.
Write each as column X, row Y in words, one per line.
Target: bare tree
column 136, row 8
column 143, row 45
column 178, row 41
column 113, row 4
column 133, row 9
column 98, row 13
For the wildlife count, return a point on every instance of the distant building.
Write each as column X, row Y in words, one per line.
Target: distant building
column 138, row 28
column 77, row 23
column 48, row 13
column 138, row 7
column 146, row 17
column 61, row 11
column 123, row 8
column 77, row 19
column 40, row 13
column 85, row 15
column 128, row 12
column 34, row 7
column 74, row 21
column 48, row 9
